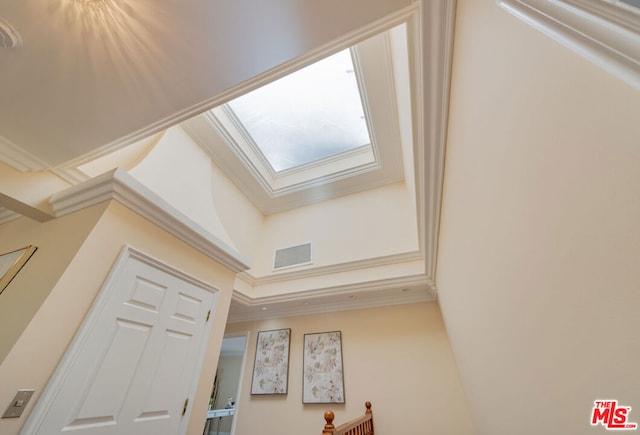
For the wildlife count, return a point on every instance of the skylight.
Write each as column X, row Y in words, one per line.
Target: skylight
column 306, row 116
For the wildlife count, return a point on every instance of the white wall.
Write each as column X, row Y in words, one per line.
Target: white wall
column 35, row 355
column 362, row 225
column 27, row 193
column 58, row 242
column 242, row 220
column 179, row 171
column 539, row 253
column 398, row 358
column 342, row 229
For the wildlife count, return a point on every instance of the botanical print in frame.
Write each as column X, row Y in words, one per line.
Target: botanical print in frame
column 322, row 361
column 271, row 365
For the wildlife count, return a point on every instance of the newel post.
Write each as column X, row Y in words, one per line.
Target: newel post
column 329, row 427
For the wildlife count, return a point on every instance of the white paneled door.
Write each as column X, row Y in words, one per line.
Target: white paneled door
column 136, row 359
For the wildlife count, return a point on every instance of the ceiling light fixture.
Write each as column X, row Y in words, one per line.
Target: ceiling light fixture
column 9, row 37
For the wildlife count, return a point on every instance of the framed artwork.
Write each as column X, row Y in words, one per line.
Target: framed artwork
column 12, row 262
column 322, row 368
column 271, row 365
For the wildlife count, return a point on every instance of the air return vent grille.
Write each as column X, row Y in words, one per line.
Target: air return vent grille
column 292, row 256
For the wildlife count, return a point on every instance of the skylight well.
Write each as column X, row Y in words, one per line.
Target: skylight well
column 314, row 113
column 337, row 126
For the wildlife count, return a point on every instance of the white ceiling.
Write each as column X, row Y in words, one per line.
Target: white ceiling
column 92, row 75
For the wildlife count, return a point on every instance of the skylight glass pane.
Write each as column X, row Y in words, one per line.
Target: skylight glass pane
column 313, row 113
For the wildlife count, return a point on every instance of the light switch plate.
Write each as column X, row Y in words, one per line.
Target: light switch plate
column 18, row 404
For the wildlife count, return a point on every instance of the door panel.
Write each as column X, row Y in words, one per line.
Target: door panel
column 136, row 357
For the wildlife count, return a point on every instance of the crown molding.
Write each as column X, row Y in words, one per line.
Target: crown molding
column 120, row 186
column 396, row 291
column 605, row 34
column 432, row 87
column 18, row 158
column 71, row 175
column 7, row 215
column 419, row 280
column 312, row 272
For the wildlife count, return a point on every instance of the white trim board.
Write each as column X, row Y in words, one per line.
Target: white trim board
column 386, row 292
column 331, row 269
column 18, row 158
column 605, row 34
column 431, row 111
column 122, row 187
column 7, row 215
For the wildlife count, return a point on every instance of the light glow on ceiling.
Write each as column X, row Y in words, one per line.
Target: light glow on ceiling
column 306, row 116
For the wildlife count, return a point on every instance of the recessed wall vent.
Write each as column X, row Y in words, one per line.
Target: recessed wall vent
column 292, row 256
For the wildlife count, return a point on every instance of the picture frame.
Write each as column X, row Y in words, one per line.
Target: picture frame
column 271, row 363
column 12, row 262
column 323, row 374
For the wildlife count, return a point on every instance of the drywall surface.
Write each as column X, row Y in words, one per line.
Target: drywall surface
column 398, row 358
column 346, row 228
column 36, row 354
column 57, row 242
column 539, row 248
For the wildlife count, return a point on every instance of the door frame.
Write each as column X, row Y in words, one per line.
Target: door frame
column 246, row 335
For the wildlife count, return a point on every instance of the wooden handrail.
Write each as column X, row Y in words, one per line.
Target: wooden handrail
column 362, row 425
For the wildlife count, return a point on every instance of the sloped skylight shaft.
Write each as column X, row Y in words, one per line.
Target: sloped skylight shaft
column 311, row 114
